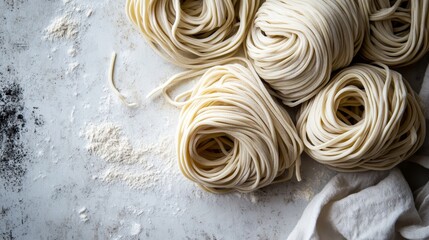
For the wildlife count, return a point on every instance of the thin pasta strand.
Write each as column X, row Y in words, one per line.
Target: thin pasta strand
column 113, row 87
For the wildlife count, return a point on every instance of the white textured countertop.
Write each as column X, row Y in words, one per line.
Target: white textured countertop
column 55, row 87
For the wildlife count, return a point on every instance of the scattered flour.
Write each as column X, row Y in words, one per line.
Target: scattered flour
column 82, row 210
column 251, row 197
column 309, row 186
column 89, row 12
column 128, row 164
column 40, row 176
column 135, row 229
column 304, row 193
column 72, row 114
column 70, row 25
column 63, row 27
column 145, row 178
column 83, row 214
column 72, row 52
column 106, row 141
column 84, row 217
column 72, row 67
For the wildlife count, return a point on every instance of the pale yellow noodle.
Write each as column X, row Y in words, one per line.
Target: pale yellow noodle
column 113, row 86
column 295, row 44
column 398, row 33
column 366, row 118
column 232, row 134
column 193, row 33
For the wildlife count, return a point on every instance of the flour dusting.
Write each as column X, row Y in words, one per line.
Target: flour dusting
column 83, row 214
column 135, row 229
column 142, row 179
column 133, row 166
column 106, row 140
column 63, row 27
column 72, row 67
column 72, row 52
column 89, row 12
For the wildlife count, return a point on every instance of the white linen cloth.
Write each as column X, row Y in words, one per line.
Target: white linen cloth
column 370, row 205
column 421, row 155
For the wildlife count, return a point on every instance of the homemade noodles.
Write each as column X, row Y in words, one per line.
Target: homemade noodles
column 232, row 134
column 295, row 44
column 398, row 32
column 366, row 118
column 193, row 34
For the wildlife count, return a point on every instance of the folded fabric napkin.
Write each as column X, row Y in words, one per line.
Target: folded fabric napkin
column 370, row 205
column 421, row 156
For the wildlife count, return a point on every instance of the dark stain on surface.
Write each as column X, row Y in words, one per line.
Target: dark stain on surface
column 38, row 119
column 13, row 220
column 3, row 211
column 12, row 124
column 2, row 40
column 7, row 235
column 14, row 4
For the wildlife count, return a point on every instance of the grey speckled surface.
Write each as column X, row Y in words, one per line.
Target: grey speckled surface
column 52, row 176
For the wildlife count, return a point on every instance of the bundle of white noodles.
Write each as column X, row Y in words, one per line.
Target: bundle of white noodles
column 295, row 44
column 398, row 32
column 232, row 134
column 193, row 33
column 367, row 118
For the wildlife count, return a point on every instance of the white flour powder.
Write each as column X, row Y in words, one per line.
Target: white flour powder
column 142, row 179
column 126, row 163
column 107, row 142
column 63, row 27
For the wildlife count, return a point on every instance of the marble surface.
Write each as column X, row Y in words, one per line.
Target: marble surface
column 51, row 186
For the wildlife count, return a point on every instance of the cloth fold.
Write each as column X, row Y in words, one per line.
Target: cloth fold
column 420, row 231
column 370, row 205
column 421, row 155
